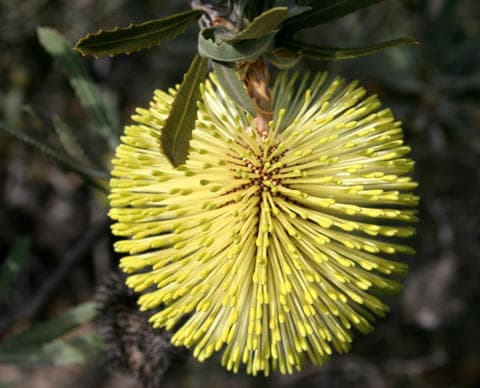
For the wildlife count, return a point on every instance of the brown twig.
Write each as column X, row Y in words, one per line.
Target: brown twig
column 78, row 252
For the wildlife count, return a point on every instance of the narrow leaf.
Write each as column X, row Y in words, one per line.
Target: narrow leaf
column 9, row 384
column 69, row 140
column 136, row 37
column 47, row 331
column 244, row 50
column 283, row 59
column 87, row 174
column 75, row 350
column 85, row 89
column 335, row 53
column 263, row 24
column 293, row 9
column 231, row 84
column 13, row 263
column 324, row 12
column 177, row 132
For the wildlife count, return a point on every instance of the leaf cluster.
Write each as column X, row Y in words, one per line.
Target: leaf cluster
column 231, row 33
column 72, row 149
column 42, row 343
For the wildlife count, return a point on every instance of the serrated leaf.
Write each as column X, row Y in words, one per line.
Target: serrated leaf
column 177, row 132
column 283, row 59
column 324, row 12
column 15, row 260
column 263, row 24
column 47, row 331
column 231, row 84
column 244, row 50
column 136, row 37
column 75, row 350
column 85, row 89
column 87, row 174
column 335, row 53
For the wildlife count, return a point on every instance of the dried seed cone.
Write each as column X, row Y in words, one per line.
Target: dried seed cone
column 131, row 344
column 275, row 242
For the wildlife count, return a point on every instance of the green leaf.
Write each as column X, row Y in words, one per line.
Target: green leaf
column 89, row 175
column 69, row 140
column 325, row 11
column 244, row 50
column 75, row 350
column 9, row 384
column 47, row 331
column 263, row 24
column 283, row 59
column 177, row 132
column 293, row 9
column 85, row 89
column 136, row 37
column 335, row 53
column 231, row 84
column 16, row 259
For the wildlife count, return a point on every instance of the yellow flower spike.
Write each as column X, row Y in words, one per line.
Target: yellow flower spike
column 273, row 246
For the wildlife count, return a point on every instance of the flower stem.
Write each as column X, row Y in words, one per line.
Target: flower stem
column 256, row 80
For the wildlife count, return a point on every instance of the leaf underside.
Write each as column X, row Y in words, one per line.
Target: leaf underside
column 244, row 50
column 231, row 84
column 263, row 24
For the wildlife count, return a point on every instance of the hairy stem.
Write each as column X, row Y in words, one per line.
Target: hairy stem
column 256, row 80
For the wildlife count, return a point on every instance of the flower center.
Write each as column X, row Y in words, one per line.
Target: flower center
column 260, row 168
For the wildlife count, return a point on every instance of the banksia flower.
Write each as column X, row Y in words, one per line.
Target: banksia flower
column 131, row 344
column 273, row 242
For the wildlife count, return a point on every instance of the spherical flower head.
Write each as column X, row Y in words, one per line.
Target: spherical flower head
column 272, row 244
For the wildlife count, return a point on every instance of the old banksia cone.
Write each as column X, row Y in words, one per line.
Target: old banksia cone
column 274, row 242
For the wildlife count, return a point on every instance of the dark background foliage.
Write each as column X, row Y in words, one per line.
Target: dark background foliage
column 431, row 336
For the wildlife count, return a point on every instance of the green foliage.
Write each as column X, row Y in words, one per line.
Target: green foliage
column 41, row 345
column 262, row 28
column 245, row 50
column 325, row 11
column 88, row 174
column 177, row 132
column 69, row 140
column 16, row 259
column 136, row 37
column 78, row 151
column 55, row 327
column 284, row 59
column 75, row 350
column 335, row 53
column 85, row 89
column 263, row 24
column 227, row 77
column 8, row 384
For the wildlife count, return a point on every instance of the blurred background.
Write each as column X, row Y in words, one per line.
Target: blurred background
column 55, row 248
